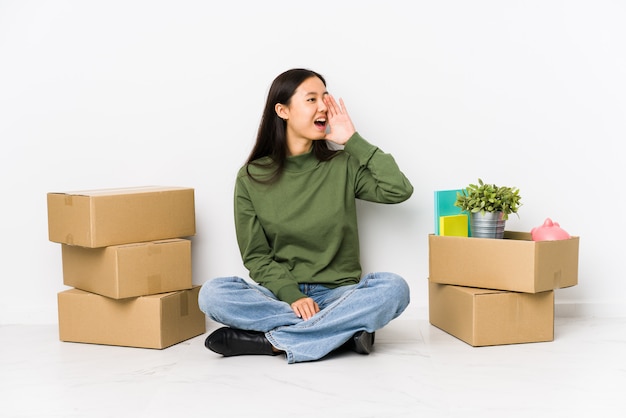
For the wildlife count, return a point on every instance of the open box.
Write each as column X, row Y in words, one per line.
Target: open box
column 515, row 263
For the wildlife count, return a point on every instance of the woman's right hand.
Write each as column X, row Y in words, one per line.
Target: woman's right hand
column 339, row 122
column 305, row 308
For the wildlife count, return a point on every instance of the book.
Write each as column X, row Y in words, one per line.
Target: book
column 444, row 206
column 453, row 226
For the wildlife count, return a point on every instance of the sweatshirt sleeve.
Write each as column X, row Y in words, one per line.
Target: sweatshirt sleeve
column 378, row 178
column 256, row 253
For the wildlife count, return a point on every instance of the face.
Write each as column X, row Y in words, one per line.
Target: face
column 306, row 113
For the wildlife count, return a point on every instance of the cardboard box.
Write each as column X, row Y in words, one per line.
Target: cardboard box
column 515, row 263
column 101, row 218
column 482, row 317
column 155, row 321
column 129, row 270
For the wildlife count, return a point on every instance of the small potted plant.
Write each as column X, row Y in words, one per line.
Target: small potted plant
column 488, row 206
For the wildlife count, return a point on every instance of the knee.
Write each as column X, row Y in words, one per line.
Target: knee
column 212, row 293
column 396, row 288
column 402, row 287
column 205, row 295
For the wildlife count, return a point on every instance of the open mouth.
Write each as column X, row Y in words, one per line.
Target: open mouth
column 320, row 123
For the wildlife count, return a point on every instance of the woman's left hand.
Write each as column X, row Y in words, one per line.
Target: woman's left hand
column 339, row 122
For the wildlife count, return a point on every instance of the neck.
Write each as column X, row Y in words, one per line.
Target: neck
column 298, row 147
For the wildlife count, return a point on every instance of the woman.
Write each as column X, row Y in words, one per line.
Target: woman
column 296, row 225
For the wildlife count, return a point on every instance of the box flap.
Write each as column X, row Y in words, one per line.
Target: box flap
column 121, row 190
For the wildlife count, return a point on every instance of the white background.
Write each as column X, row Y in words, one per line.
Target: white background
column 100, row 94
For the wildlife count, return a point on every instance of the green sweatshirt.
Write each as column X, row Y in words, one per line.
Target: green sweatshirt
column 303, row 228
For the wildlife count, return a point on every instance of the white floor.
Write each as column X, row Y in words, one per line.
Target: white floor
column 416, row 371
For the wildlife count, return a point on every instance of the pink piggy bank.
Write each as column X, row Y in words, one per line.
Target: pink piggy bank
column 549, row 231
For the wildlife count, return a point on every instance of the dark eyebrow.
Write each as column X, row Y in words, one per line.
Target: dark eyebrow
column 315, row 93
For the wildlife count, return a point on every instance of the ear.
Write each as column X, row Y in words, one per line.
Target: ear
column 282, row 111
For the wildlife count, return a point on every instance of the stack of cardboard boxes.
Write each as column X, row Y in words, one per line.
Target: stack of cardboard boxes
column 127, row 255
column 498, row 291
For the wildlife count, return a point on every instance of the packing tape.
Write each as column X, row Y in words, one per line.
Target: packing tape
column 184, row 302
column 154, row 284
column 69, row 239
column 154, row 249
column 69, row 201
column 518, row 309
column 557, row 279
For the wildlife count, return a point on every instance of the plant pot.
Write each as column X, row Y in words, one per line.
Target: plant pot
column 487, row 225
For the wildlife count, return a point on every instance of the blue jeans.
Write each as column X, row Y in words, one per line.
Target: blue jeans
column 367, row 306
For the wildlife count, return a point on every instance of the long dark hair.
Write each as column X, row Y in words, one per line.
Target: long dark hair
column 271, row 140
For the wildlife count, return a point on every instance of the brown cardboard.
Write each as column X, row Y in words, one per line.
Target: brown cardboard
column 129, row 270
column 100, row 218
column 483, row 317
column 155, row 321
column 515, row 263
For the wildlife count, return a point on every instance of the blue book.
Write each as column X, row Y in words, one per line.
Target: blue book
column 444, row 206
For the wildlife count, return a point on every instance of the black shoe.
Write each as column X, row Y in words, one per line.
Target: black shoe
column 237, row 342
column 361, row 342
